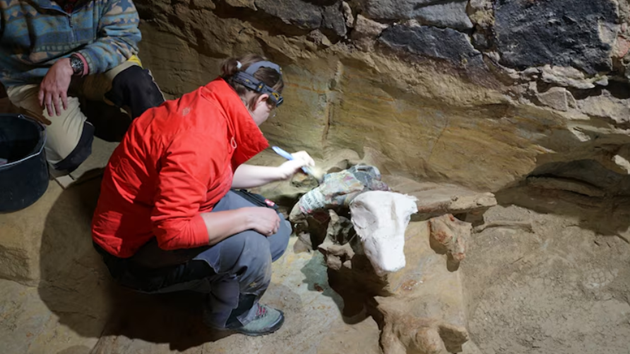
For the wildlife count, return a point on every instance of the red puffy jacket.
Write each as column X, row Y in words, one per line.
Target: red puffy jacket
column 175, row 162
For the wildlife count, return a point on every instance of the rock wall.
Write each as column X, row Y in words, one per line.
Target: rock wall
column 479, row 93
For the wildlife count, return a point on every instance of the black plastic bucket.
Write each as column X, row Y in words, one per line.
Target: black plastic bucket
column 23, row 167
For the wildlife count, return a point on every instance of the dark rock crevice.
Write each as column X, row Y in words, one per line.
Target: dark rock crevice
column 442, row 13
column 429, row 41
column 573, row 33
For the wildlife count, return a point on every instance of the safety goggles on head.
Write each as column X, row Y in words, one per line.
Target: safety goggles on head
column 247, row 79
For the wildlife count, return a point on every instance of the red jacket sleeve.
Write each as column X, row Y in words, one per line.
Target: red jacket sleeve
column 190, row 162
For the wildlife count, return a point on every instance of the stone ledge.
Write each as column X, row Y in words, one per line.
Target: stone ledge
column 435, row 199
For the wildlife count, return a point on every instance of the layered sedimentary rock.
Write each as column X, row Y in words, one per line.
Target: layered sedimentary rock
column 477, row 93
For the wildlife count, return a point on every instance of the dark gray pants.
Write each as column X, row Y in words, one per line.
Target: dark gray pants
column 234, row 273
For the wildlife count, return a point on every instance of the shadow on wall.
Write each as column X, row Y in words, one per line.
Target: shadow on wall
column 597, row 197
column 583, row 179
column 76, row 286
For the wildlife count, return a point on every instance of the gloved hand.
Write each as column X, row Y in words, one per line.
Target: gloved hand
column 300, row 159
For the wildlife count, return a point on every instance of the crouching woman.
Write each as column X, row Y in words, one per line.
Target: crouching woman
column 167, row 218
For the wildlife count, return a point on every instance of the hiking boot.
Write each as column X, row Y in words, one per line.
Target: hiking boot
column 267, row 320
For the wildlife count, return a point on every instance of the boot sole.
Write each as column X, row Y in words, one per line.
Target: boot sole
column 271, row 330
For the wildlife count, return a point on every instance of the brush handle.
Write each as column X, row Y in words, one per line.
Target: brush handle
column 282, row 153
column 286, row 155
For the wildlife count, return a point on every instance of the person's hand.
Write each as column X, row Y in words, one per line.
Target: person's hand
column 53, row 91
column 300, row 159
column 303, row 156
column 263, row 220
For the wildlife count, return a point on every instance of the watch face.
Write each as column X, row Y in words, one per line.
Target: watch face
column 77, row 65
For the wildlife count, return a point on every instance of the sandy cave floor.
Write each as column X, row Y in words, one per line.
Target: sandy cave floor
column 558, row 289
column 171, row 323
column 554, row 288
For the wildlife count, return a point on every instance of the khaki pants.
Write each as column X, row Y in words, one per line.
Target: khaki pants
column 64, row 131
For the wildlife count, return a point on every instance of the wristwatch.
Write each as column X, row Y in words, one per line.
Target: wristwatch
column 77, row 65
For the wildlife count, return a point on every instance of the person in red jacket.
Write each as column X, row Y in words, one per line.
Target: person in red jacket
column 168, row 218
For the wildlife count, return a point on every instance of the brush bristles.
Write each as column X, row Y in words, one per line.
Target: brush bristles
column 316, row 172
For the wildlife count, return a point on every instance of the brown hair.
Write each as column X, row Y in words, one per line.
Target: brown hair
column 268, row 76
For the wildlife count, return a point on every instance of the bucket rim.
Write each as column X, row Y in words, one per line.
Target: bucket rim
column 39, row 147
